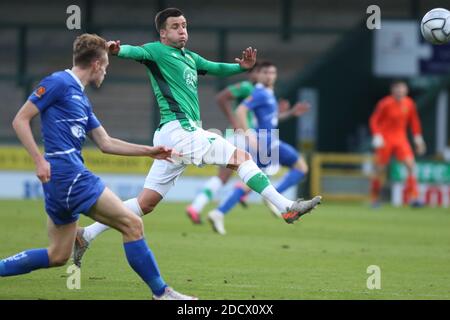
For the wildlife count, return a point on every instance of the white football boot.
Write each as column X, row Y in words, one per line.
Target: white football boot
column 79, row 248
column 216, row 218
column 170, row 294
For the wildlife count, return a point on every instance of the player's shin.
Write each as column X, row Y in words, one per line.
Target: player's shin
column 141, row 259
column 375, row 189
column 24, row 262
column 231, row 200
column 412, row 188
column 293, row 177
column 259, row 182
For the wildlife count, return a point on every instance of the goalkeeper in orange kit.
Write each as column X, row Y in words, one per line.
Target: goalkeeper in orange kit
column 388, row 123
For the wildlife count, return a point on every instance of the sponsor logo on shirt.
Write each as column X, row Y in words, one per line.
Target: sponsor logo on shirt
column 39, row 92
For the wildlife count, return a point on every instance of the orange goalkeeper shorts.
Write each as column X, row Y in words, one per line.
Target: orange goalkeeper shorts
column 401, row 149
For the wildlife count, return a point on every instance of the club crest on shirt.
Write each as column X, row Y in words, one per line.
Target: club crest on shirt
column 190, row 77
column 39, row 92
column 77, row 131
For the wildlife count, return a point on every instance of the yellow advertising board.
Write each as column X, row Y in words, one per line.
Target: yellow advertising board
column 16, row 158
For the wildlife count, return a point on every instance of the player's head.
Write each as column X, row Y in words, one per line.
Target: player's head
column 172, row 27
column 90, row 54
column 267, row 73
column 399, row 89
column 254, row 72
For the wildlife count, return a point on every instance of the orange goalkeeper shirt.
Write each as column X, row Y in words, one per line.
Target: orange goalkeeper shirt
column 392, row 117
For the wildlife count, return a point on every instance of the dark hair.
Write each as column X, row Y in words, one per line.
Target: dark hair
column 265, row 64
column 163, row 15
column 86, row 48
column 255, row 67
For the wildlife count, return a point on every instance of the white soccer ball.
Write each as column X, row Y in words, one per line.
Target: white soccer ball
column 435, row 26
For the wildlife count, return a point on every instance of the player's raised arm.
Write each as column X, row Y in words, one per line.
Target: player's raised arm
column 246, row 62
column 111, row 145
column 21, row 125
column 296, row 111
column 128, row 52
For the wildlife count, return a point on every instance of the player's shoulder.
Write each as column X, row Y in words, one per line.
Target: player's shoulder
column 58, row 79
column 152, row 46
column 246, row 84
column 386, row 100
column 410, row 101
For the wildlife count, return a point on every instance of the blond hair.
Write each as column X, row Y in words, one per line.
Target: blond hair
column 87, row 48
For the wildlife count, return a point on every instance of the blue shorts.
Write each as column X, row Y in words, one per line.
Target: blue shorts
column 69, row 194
column 286, row 155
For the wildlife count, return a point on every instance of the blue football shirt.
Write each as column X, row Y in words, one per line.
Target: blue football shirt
column 264, row 105
column 66, row 117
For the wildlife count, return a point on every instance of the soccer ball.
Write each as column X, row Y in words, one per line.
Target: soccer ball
column 435, row 26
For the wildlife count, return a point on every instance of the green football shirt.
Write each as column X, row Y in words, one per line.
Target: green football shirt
column 173, row 76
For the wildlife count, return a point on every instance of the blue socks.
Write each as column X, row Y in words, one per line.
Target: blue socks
column 291, row 178
column 24, row 262
column 143, row 262
column 139, row 257
column 232, row 200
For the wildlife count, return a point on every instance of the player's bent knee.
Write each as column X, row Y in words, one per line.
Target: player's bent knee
column 134, row 228
column 242, row 156
column 302, row 165
column 147, row 207
column 238, row 158
column 148, row 200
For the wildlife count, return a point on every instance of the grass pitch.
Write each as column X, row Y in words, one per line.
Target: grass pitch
column 324, row 256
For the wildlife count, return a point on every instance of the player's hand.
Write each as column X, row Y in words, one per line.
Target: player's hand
column 300, row 108
column 113, row 47
column 248, row 58
column 377, row 141
column 163, row 153
column 421, row 147
column 283, row 105
column 43, row 170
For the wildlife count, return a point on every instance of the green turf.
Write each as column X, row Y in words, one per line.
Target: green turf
column 325, row 256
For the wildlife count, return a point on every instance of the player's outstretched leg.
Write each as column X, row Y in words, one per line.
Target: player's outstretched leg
column 61, row 240
column 110, row 210
column 147, row 200
column 256, row 180
column 86, row 235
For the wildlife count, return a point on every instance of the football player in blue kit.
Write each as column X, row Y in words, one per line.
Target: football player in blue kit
column 270, row 150
column 69, row 187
